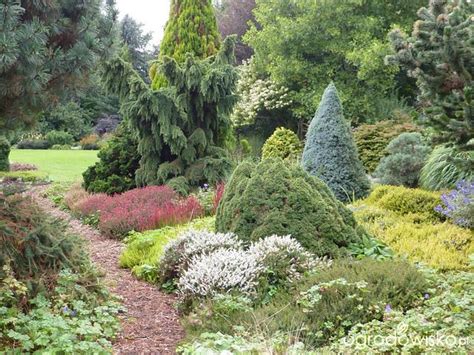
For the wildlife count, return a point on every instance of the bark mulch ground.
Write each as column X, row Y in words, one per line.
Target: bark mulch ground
column 150, row 324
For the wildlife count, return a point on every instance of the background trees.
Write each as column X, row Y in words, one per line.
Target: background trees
column 305, row 44
column 191, row 28
column 440, row 55
column 47, row 47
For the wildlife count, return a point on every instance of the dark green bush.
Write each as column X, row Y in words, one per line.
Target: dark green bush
column 445, row 167
column 284, row 144
column 274, row 198
column 4, row 153
column 119, row 159
column 407, row 155
column 330, row 152
column 34, row 144
column 59, row 138
column 61, row 147
column 372, row 139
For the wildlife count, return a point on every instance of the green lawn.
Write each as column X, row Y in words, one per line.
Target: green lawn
column 60, row 165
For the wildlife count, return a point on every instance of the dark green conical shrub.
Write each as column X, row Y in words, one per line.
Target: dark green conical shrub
column 330, row 152
column 4, row 153
column 119, row 160
column 275, row 198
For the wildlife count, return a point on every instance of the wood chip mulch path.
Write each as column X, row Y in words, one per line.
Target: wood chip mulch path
column 150, row 324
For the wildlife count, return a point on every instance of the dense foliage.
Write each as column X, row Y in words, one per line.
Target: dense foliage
column 4, row 153
column 233, row 18
column 47, row 47
column 406, row 157
column 191, row 29
column 119, row 160
column 303, row 44
column 445, row 314
column 137, row 210
column 373, row 139
column 458, row 204
column 144, row 250
column 330, row 301
column 284, row 144
column 406, row 220
column 50, row 295
column 439, row 54
column 276, row 198
column 330, row 152
column 445, row 167
column 183, row 126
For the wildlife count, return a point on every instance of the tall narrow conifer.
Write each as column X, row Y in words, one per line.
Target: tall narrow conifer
column 330, row 152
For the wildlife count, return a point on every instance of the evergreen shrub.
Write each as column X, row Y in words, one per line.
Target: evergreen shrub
column 59, row 138
column 34, row 144
column 33, row 244
column 373, row 139
column 330, row 152
column 273, row 198
column 4, row 153
column 115, row 171
column 403, row 201
column 284, row 144
column 407, row 155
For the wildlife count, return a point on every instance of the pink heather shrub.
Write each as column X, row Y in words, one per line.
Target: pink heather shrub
column 218, row 195
column 140, row 209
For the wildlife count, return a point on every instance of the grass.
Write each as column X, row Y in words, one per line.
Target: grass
column 60, row 165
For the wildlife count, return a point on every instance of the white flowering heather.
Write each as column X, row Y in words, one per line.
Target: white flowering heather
column 178, row 253
column 220, row 271
column 285, row 257
column 256, row 95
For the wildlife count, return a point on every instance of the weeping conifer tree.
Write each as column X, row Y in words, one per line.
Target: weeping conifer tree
column 182, row 126
column 191, row 28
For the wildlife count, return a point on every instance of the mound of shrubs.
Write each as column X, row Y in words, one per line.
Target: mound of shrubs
column 373, row 139
column 406, row 220
column 284, row 144
column 274, row 198
column 33, row 144
column 406, row 156
column 138, row 209
column 318, row 307
column 204, row 264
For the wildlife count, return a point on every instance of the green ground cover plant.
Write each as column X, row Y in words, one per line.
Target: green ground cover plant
column 51, row 296
column 406, row 220
column 143, row 250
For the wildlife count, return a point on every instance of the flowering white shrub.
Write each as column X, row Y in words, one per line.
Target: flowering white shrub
column 257, row 94
column 220, row 271
column 179, row 252
column 285, row 257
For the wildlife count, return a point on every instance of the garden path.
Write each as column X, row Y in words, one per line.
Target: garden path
column 150, row 324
